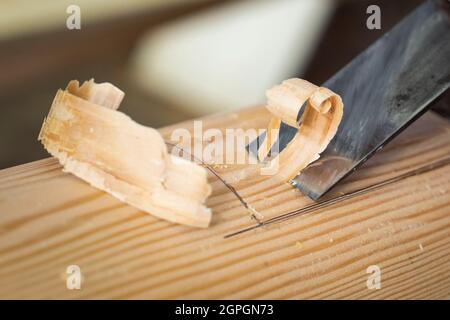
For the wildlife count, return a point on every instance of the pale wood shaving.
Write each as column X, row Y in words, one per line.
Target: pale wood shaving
column 110, row 151
column 323, row 111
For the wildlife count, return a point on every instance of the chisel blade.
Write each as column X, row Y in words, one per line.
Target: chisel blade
column 384, row 89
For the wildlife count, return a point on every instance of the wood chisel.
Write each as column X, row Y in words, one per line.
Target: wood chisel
column 384, row 90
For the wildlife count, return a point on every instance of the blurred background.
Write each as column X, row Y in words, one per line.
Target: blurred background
column 175, row 59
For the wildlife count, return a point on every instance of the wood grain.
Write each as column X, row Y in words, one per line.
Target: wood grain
column 50, row 220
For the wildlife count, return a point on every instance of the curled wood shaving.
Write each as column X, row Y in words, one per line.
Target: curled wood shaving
column 110, row 151
column 321, row 112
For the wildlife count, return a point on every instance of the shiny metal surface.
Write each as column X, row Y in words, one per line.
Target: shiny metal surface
column 384, row 89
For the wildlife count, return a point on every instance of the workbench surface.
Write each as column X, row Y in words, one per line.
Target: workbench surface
column 399, row 221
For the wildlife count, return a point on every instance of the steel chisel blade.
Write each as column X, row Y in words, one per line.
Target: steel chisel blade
column 384, row 89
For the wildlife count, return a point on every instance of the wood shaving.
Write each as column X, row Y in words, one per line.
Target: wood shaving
column 111, row 152
column 322, row 112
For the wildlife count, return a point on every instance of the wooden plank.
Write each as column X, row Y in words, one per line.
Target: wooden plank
column 50, row 220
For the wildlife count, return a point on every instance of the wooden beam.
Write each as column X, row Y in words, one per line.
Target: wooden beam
column 394, row 215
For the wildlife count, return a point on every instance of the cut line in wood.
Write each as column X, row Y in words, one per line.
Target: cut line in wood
column 340, row 198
